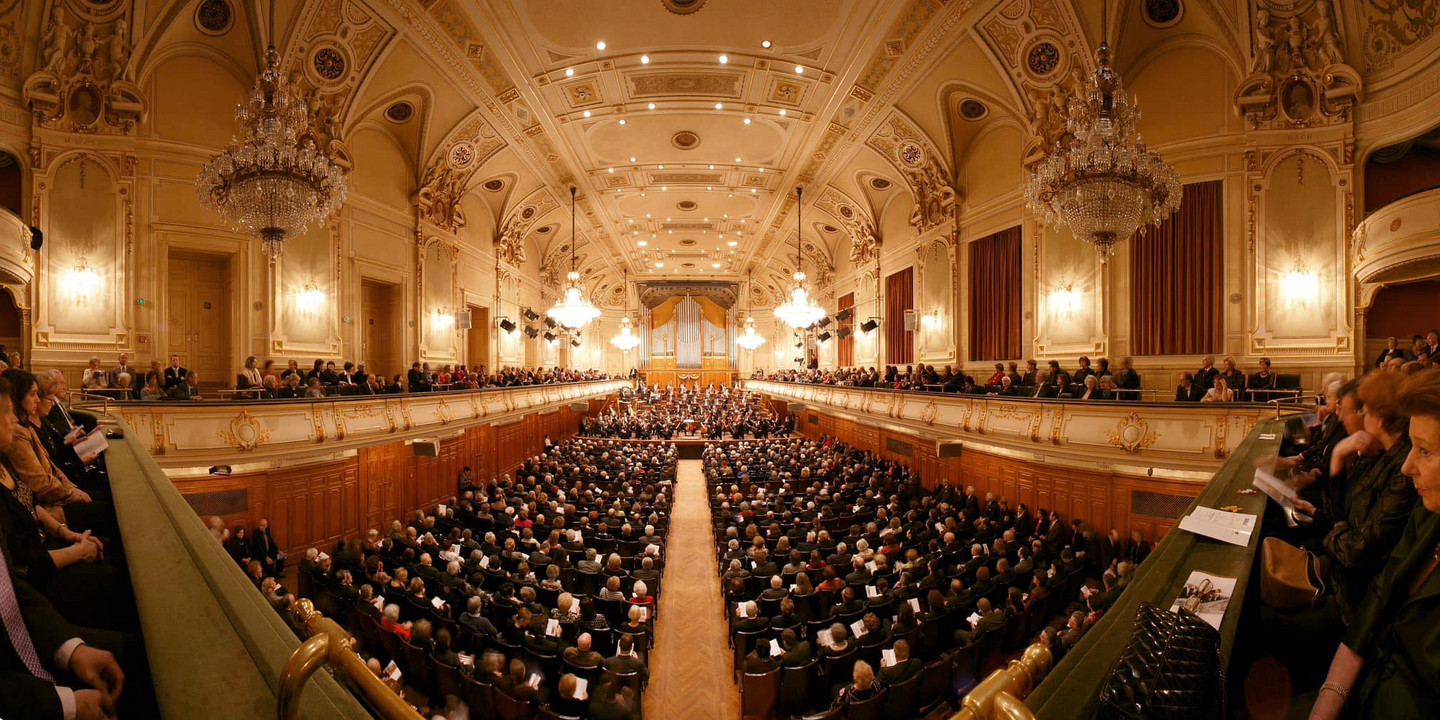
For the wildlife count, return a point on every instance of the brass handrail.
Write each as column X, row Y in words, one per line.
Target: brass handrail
column 329, row 644
column 1001, row 695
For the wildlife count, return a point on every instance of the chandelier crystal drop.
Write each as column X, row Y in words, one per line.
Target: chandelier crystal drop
column 272, row 181
column 573, row 311
column 1101, row 180
column 800, row 311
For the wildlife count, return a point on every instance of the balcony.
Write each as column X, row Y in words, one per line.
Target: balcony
column 17, row 260
column 1399, row 242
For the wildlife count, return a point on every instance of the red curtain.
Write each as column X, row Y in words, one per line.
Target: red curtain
column 846, row 348
column 899, row 298
column 995, row 296
column 1176, row 278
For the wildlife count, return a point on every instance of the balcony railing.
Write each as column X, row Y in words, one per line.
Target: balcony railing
column 1400, row 241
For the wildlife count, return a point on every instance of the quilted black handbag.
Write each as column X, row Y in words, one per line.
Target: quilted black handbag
column 1170, row 670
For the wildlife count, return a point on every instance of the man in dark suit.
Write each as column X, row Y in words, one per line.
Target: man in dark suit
column 581, row 655
column 905, row 667
column 1042, row 387
column 1188, row 390
column 416, row 379
column 752, row 621
column 797, row 652
column 1030, row 376
column 1127, row 380
column 125, row 368
column 991, row 620
column 474, row 621
column 625, row 661
column 1205, row 376
column 1392, row 350
column 263, row 547
column 174, row 374
column 759, row 660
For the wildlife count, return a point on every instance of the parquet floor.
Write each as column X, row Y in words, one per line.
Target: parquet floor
column 691, row 666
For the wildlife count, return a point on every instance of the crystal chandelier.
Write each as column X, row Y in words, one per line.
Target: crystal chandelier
column 626, row 339
column 573, row 311
column 272, row 181
column 749, row 339
column 1103, row 183
column 800, row 311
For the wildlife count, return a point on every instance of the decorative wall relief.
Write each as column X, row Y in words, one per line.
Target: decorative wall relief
column 864, row 242
column 910, row 151
column 1394, row 26
column 1298, row 75
column 510, row 244
column 83, row 78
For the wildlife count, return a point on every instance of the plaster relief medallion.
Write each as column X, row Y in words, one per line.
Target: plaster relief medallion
column 1163, row 13
column 83, row 108
column 528, row 212
column 1132, row 434
column 972, row 109
column 683, row 7
column 685, row 140
column 880, row 184
column 1395, row 225
column 400, row 112
column 1043, row 58
column 245, row 432
column 1297, row 99
column 686, row 206
column 495, row 185
column 329, row 64
column 214, row 17
column 582, row 93
column 687, row 242
column 911, row 154
column 461, row 155
column 786, row 92
column 847, row 212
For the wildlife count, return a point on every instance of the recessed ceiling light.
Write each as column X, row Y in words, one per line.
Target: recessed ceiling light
column 669, row 232
column 747, row 121
column 569, row 72
column 732, row 243
column 622, row 121
column 737, row 160
column 644, row 59
column 753, row 191
column 600, row 45
column 708, row 187
column 726, row 215
column 667, row 219
column 719, row 106
column 642, row 194
column 632, row 158
column 730, row 195
column 782, row 112
column 799, row 69
column 742, row 221
column 641, row 243
column 662, row 167
column 765, row 44
column 706, row 220
column 652, row 106
column 724, row 59
column 586, row 113
column 647, row 215
column 712, row 167
column 663, row 188
column 612, row 171
column 659, row 264
column 715, row 265
column 762, row 171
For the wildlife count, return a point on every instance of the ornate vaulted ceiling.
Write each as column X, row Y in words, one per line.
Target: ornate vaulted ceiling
column 685, row 124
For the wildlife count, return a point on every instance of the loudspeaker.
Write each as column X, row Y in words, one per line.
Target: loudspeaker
column 37, row 238
column 530, row 315
column 823, row 337
column 462, row 320
column 507, row 325
column 425, row 447
column 909, row 320
column 531, row 332
column 844, row 315
column 948, row 448
column 824, row 322
column 580, row 407
column 869, row 325
column 794, row 407
column 843, row 333
column 550, row 323
column 549, row 335
column 574, row 343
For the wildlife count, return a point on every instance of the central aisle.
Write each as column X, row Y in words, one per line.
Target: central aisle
column 691, row 664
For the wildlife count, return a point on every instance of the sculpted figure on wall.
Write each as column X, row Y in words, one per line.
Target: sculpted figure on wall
column 1298, row 74
column 934, row 198
column 438, row 199
column 82, row 82
column 511, row 243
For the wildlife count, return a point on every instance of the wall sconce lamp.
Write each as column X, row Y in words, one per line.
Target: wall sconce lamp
column 309, row 299
column 83, row 281
column 1300, row 284
column 443, row 319
column 931, row 319
column 1063, row 301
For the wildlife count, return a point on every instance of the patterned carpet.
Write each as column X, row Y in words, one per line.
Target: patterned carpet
column 691, row 665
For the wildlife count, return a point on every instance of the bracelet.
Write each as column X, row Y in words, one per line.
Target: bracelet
column 1335, row 688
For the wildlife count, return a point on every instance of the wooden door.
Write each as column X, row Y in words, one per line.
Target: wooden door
column 198, row 308
column 382, row 341
column 478, row 338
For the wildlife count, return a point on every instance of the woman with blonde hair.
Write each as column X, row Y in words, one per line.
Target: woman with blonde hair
column 862, row 685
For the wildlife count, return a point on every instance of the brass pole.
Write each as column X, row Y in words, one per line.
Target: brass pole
column 329, row 644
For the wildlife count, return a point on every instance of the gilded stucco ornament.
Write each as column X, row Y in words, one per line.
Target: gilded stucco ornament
column 1132, row 434
column 244, row 432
